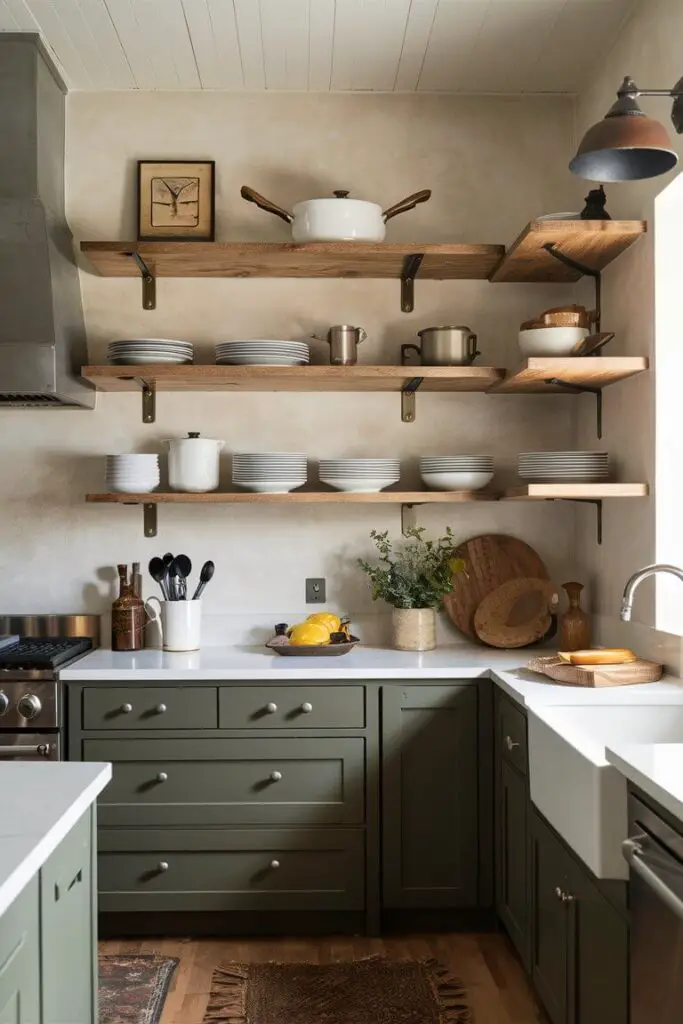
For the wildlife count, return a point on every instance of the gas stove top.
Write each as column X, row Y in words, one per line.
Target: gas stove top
column 33, row 652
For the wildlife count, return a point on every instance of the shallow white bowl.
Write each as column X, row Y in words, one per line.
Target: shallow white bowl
column 456, row 481
column 360, row 485
column 139, row 488
column 270, row 486
column 550, row 341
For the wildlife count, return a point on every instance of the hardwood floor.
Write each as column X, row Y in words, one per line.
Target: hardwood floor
column 498, row 988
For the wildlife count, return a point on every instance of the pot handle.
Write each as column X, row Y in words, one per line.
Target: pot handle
column 254, row 197
column 405, row 349
column 407, row 204
column 362, row 335
column 472, row 352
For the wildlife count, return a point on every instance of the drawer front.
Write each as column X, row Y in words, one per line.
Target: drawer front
column 235, row 870
column 511, row 734
column 292, row 707
column 150, row 707
column 250, row 781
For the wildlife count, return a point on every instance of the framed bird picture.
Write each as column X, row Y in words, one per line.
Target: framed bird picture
column 176, row 200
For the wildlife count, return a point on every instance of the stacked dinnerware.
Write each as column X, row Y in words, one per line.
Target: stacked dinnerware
column 360, row 476
column 132, row 474
column 564, row 467
column 150, row 350
column 263, row 353
column 456, row 472
column 269, row 472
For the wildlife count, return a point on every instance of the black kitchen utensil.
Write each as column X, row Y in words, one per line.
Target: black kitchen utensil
column 179, row 570
column 159, row 573
column 205, row 575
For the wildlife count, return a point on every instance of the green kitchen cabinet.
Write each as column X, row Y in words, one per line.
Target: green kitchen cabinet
column 20, row 959
column 433, row 780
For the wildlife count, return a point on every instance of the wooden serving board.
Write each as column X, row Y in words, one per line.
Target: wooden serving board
column 516, row 614
column 490, row 560
column 598, row 675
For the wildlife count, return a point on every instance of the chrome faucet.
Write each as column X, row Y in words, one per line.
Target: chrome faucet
column 637, row 579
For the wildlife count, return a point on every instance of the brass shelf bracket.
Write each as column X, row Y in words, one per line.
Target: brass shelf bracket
column 149, row 283
column 408, row 399
column 580, row 389
column 408, row 519
column 411, row 267
column 585, row 271
column 149, row 517
column 588, row 501
column 149, row 398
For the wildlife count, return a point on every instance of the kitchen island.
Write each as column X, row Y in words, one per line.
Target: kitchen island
column 48, row 928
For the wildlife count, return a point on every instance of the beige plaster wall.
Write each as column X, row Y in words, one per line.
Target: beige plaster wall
column 492, row 163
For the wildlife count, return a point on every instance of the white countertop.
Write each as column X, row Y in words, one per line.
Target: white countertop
column 657, row 768
column 39, row 804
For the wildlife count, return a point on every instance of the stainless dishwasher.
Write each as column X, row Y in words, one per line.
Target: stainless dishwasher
column 654, row 853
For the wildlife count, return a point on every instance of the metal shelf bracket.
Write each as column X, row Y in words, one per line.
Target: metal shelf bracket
column 408, row 519
column 580, row 389
column 149, row 284
column 149, row 398
column 588, row 501
column 411, row 266
column 408, row 399
column 149, row 517
column 581, row 268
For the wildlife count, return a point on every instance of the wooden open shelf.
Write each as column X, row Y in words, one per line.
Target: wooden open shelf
column 295, row 498
column 577, row 371
column 575, row 492
column 593, row 243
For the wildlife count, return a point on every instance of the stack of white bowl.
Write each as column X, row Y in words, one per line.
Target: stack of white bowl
column 269, row 472
column 360, row 476
column 263, row 353
column 150, row 350
column 456, row 472
column 564, row 467
column 132, row 474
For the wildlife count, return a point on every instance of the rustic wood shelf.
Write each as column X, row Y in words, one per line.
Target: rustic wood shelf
column 575, row 492
column 592, row 243
column 575, row 371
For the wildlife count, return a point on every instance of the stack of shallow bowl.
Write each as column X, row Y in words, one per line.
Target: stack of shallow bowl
column 456, row 472
column 564, row 467
column 150, row 350
column 556, row 332
column 132, row 474
column 360, row 476
column 269, row 472
column 263, row 353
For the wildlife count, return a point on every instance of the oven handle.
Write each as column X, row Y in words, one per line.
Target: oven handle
column 39, row 750
column 634, row 853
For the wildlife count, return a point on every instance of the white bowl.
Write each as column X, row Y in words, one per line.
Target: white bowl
column 270, row 486
column 456, row 481
column 360, row 485
column 551, row 341
column 139, row 488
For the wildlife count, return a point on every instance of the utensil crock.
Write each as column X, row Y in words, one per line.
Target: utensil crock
column 179, row 623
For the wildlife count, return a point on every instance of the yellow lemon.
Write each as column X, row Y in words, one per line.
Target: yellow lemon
column 331, row 622
column 309, row 634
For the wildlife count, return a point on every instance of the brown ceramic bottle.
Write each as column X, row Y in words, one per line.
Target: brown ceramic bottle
column 575, row 630
column 127, row 616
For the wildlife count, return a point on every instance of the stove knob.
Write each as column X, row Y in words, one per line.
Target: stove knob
column 29, row 706
column 4, row 703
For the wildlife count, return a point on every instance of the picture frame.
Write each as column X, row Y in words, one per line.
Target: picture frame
column 176, row 200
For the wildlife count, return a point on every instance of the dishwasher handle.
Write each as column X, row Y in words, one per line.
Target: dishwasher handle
column 635, row 854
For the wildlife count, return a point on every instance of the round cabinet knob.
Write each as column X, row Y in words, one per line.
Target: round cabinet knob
column 4, row 703
column 162, row 865
column 126, row 709
column 510, row 743
column 275, row 776
column 162, row 777
column 306, row 708
column 161, row 709
column 275, row 864
column 271, row 708
column 558, row 892
column 29, row 706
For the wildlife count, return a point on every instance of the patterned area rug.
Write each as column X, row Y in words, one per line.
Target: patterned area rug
column 370, row 991
column 133, row 989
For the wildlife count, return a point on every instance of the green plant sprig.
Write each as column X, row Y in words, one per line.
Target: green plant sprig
column 418, row 575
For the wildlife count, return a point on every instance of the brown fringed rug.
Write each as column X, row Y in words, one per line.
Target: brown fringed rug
column 133, row 989
column 370, row 991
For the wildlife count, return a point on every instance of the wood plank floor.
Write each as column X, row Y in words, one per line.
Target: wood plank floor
column 498, row 988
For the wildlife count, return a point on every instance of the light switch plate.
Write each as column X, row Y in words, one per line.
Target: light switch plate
column 315, row 591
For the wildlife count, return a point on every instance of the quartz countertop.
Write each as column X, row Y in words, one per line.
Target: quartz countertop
column 656, row 768
column 39, row 805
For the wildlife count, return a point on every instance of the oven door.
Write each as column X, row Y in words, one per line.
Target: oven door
column 29, row 746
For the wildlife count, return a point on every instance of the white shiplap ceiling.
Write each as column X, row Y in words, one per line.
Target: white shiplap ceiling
column 506, row 46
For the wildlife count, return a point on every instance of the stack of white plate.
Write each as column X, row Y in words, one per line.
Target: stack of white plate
column 150, row 350
column 564, row 467
column 269, row 472
column 263, row 353
column 456, row 472
column 360, row 476
column 132, row 474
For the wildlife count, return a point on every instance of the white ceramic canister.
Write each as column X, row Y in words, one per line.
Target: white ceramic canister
column 180, row 623
column 193, row 463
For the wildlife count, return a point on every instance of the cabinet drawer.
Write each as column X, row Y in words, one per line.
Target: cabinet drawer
column 250, row 781
column 292, row 707
column 231, row 870
column 511, row 734
column 150, row 707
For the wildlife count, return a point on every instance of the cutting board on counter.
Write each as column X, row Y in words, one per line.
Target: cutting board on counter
column 490, row 560
column 639, row 671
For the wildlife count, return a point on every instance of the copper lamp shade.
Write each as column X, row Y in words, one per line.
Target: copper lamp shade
column 626, row 145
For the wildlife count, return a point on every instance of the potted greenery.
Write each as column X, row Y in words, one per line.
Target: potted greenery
column 413, row 580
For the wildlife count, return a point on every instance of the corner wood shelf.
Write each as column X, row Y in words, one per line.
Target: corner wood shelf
column 587, row 494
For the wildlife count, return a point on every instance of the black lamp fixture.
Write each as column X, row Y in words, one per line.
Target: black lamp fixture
column 627, row 145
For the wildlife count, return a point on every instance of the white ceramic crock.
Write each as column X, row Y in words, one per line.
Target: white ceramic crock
column 193, row 463
column 180, row 623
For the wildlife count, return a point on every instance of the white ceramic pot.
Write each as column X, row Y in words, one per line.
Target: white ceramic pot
column 551, row 341
column 180, row 623
column 193, row 463
column 413, row 629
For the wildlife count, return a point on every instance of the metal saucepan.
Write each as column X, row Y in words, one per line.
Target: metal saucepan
column 444, row 346
column 339, row 219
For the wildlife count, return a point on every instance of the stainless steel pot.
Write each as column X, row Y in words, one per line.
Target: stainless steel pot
column 444, row 346
column 343, row 340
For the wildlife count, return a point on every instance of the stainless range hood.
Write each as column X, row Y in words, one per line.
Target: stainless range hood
column 42, row 333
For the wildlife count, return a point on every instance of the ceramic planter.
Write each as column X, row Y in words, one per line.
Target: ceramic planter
column 413, row 629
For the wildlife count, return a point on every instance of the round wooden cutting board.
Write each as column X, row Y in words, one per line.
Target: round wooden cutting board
column 490, row 560
column 516, row 613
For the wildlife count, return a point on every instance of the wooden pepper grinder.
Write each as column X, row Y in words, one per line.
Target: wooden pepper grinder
column 127, row 616
column 575, row 630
